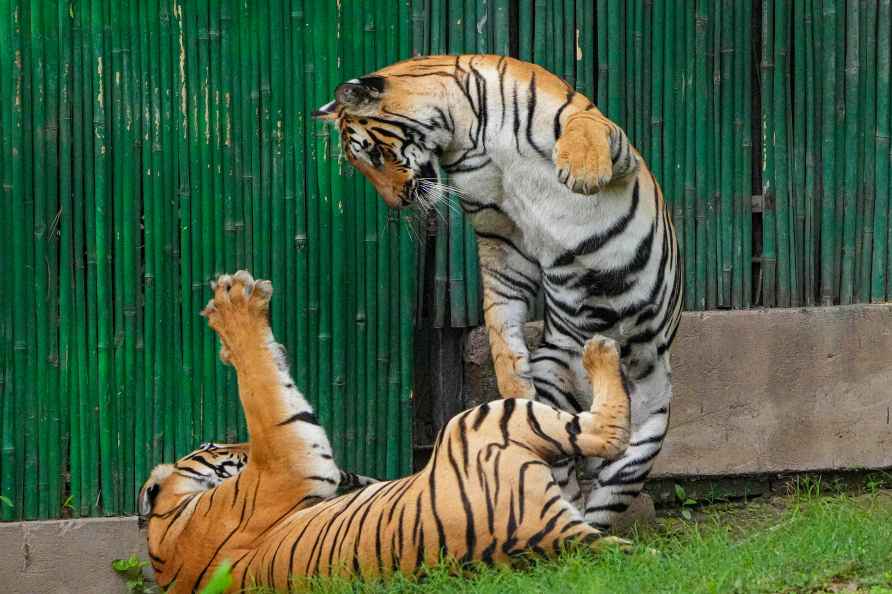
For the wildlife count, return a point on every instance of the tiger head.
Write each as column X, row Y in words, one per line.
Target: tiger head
column 391, row 131
column 203, row 469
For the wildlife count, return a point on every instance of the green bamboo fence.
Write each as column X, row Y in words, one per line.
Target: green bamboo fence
column 149, row 145
column 146, row 147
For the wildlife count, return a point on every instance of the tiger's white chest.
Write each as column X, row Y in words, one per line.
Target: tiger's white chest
column 550, row 219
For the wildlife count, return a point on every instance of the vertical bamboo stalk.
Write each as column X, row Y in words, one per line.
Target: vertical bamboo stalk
column 852, row 115
column 525, row 42
column 54, row 404
column 785, row 262
column 694, row 236
column 865, row 229
column 457, row 288
column 657, row 122
column 602, row 59
column 828, row 152
column 727, row 53
column 67, row 383
column 738, row 29
column 747, row 147
column 195, row 350
column 769, row 190
column 615, row 64
column 810, row 229
column 91, row 402
column 703, row 239
column 129, row 240
column 220, row 252
column 800, row 22
column 338, row 260
column 384, row 218
column 879, row 277
column 643, row 94
column 13, row 191
column 103, row 290
column 669, row 149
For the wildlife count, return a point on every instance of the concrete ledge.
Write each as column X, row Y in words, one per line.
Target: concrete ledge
column 67, row 556
column 765, row 391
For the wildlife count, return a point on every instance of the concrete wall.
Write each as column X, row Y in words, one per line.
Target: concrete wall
column 766, row 391
column 67, row 556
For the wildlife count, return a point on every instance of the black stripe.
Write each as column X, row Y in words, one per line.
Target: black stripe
column 305, row 416
column 531, row 109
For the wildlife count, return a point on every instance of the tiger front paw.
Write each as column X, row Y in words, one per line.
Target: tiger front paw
column 238, row 312
column 581, row 156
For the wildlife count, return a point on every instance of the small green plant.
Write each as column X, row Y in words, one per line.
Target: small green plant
column 131, row 570
column 686, row 502
column 6, row 501
column 220, row 580
column 68, row 503
column 877, row 481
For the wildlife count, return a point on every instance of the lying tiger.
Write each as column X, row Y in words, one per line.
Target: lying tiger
column 487, row 492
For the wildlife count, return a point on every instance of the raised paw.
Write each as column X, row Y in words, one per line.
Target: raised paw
column 600, row 354
column 238, row 311
column 581, row 157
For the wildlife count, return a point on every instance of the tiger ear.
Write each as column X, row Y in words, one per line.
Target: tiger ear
column 327, row 112
column 359, row 93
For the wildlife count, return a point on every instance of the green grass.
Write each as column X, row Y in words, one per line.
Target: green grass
column 808, row 542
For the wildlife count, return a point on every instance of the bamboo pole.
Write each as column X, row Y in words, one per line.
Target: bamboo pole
column 698, row 191
column 36, row 478
column 798, row 192
column 687, row 172
column 769, row 190
column 67, row 381
column 879, row 275
column 129, row 239
column 727, row 148
column 457, row 289
column 13, row 191
column 383, row 227
column 220, row 251
column 338, row 226
column 644, row 79
column 195, row 215
column 103, row 293
column 657, row 122
column 850, row 188
column 810, row 228
column 54, row 404
column 828, row 152
column 669, row 149
column 865, row 228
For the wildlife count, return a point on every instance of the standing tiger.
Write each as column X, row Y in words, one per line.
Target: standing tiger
column 559, row 200
column 269, row 507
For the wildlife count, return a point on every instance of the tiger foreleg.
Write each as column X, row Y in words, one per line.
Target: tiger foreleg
column 287, row 443
column 510, row 282
column 592, row 152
